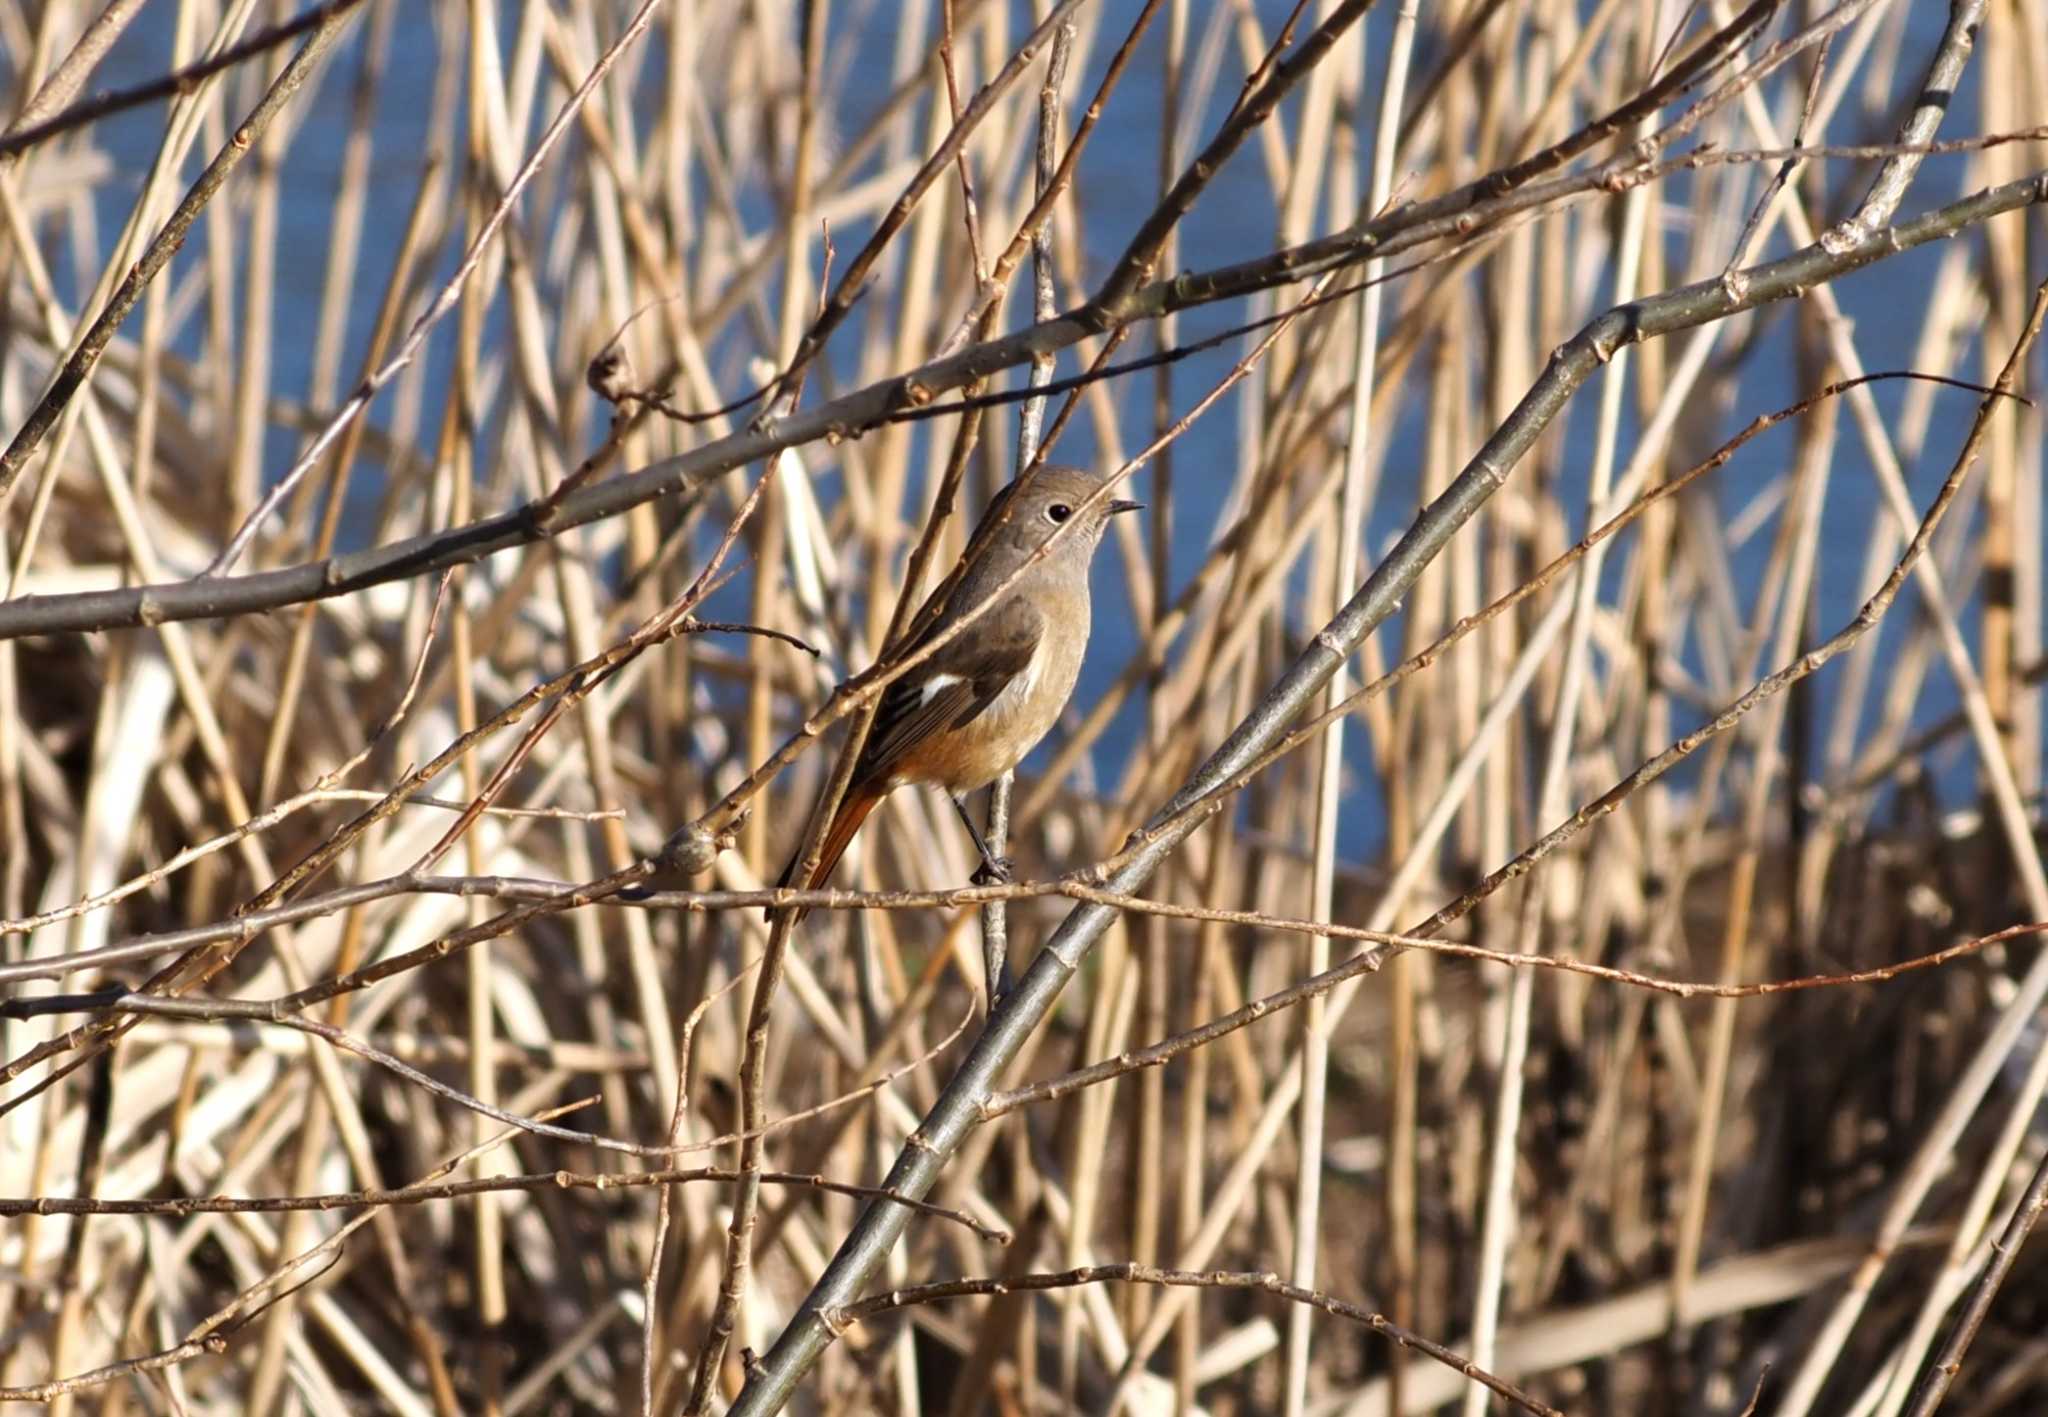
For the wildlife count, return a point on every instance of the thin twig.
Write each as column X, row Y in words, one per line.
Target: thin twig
column 849, row 1314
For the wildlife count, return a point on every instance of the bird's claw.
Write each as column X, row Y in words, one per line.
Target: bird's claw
column 993, row 871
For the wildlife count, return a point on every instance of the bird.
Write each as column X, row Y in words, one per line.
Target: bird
column 971, row 711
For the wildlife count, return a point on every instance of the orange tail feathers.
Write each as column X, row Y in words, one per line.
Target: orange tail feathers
column 854, row 807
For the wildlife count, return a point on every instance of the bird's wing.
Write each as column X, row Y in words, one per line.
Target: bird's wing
column 954, row 686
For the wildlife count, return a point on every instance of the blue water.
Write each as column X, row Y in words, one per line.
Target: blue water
column 1117, row 184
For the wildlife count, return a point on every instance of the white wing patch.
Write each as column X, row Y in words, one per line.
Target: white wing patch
column 1005, row 703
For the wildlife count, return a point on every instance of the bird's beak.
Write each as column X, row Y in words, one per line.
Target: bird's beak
column 1121, row 505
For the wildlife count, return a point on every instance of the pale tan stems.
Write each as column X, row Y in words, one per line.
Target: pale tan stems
column 1350, row 528
column 1109, row 1027
column 298, row 656
column 1802, row 528
column 1280, row 1099
column 1499, row 1215
column 1928, row 1158
column 455, row 460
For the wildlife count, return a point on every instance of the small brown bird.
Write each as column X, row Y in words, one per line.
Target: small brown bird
column 970, row 713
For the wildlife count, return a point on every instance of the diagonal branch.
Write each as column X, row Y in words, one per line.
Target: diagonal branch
column 864, row 408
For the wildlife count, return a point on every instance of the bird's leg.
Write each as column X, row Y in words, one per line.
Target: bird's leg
column 995, row 870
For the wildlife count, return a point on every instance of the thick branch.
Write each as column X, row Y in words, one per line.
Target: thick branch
column 868, row 407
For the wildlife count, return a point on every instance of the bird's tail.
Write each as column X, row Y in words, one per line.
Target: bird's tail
column 854, row 808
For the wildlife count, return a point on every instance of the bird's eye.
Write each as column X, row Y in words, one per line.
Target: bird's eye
column 1059, row 512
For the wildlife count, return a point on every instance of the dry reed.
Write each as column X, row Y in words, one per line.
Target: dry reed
column 468, row 473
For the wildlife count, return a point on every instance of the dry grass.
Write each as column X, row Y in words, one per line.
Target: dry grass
column 1518, row 265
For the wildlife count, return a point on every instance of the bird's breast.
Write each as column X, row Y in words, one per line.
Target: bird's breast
column 999, row 737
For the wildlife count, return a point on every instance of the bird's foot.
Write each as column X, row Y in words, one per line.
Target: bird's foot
column 993, row 871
